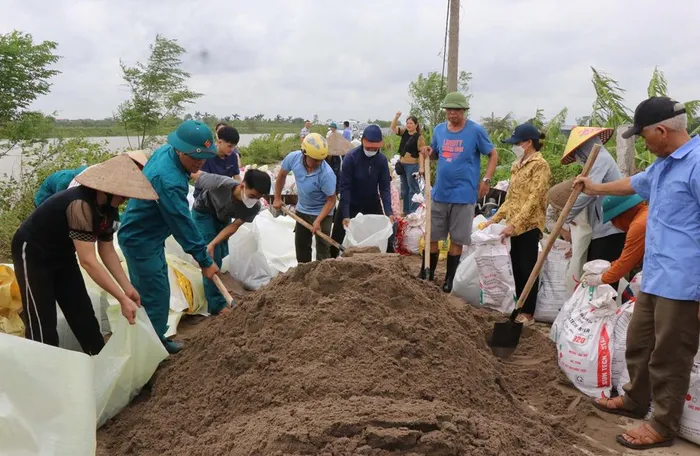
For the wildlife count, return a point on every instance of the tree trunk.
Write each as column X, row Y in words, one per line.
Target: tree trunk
column 453, row 47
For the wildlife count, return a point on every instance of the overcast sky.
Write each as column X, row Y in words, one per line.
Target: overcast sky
column 355, row 59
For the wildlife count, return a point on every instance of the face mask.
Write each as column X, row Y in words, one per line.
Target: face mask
column 518, row 151
column 580, row 160
column 249, row 202
column 370, row 153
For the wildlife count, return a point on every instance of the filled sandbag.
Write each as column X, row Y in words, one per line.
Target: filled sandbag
column 585, row 346
column 690, row 420
column 496, row 282
column 552, row 292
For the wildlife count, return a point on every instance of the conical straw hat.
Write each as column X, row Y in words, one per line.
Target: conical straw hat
column 119, row 176
column 338, row 145
column 139, row 156
column 559, row 194
column 580, row 135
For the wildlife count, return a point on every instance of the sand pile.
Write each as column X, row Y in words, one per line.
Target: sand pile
column 348, row 356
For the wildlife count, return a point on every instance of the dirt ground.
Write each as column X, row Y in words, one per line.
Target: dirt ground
column 564, row 398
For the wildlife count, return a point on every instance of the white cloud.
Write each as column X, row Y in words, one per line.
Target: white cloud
column 356, row 59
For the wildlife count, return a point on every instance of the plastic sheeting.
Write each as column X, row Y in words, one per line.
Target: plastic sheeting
column 125, row 364
column 45, row 404
column 368, row 231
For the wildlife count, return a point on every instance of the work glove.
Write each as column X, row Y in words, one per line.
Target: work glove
column 275, row 212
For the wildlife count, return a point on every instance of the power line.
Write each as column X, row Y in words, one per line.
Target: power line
column 444, row 48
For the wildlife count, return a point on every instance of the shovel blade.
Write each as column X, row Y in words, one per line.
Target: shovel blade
column 505, row 338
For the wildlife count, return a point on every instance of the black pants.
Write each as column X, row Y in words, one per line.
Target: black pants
column 303, row 238
column 43, row 283
column 607, row 248
column 523, row 253
column 338, row 233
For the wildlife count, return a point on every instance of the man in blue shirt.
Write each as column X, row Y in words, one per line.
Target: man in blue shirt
column 363, row 179
column 316, row 185
column 225, row 163
column 662, row 337
column 457, row 145
column 347, row 132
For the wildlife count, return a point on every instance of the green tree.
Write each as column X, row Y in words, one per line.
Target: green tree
column 427, row 93
column 25, row 73
column 158, row 90
column 608, row 108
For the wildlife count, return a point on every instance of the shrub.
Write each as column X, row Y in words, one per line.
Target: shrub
column 269, row 149
column 37, row 163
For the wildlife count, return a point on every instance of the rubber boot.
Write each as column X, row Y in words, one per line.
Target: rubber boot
column 452, row 263
column 433, row 264
column 172, row 346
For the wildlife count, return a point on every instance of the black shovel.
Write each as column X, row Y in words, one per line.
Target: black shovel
column 505, row 337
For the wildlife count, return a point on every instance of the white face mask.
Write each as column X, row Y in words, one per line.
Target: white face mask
column 370, row 153
column 518, row 151
column 249, row 202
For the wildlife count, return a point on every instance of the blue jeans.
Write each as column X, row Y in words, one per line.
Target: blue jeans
column 409, row 187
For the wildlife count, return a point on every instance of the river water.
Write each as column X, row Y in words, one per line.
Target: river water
column 9, row 164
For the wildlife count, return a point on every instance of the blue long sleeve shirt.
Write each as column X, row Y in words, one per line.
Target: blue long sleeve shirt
column 146, row 224
column 363, row 180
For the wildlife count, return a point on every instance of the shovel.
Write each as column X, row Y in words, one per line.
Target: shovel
column 505, row 337
column 308, row 226
column 220, row 285
column 428, row 206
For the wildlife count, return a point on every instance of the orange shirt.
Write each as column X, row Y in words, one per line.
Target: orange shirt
column 634, row 223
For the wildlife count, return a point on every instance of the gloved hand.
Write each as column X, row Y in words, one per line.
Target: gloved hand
column 275, row 212
column 592, row 280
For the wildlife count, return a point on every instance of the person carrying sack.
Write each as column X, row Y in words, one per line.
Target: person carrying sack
column 44, row 253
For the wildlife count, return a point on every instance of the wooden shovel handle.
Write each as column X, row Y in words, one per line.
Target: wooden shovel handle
column 308, row 226
column 428, row 210
column 220, row 285
column 553, row 235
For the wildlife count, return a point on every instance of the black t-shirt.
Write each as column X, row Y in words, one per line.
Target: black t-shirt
column 66, row 216
column 409, row 144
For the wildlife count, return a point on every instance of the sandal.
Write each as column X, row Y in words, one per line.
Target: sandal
column 647, row 437
column 604, row 405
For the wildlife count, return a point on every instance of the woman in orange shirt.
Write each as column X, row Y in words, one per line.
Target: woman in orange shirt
column 628, row 214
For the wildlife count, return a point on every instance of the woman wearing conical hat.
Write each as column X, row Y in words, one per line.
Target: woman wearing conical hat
column 607, row 241
column 45, row 245
column 65, row 178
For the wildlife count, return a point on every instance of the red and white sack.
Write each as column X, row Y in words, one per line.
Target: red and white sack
column 581, row 296
column 636, row 284
column 552, row 293
column 690, row 420
column 496, row 282
column 585, row 345
column 620, row 375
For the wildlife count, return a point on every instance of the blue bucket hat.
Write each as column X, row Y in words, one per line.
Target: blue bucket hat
column 193, row 138
column 523, row 132
column 617, row 205
column 333, row 125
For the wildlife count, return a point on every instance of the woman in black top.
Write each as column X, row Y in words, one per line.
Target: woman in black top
column 409, row 164
column 45, row 245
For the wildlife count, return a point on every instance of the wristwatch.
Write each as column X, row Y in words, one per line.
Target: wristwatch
column 487, row 180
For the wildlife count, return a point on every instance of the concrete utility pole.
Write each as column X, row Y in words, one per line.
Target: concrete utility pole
column 624, row 148
column 453, row 47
